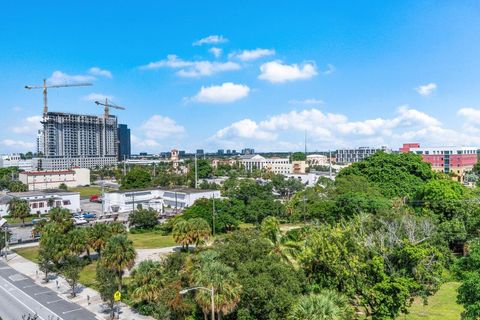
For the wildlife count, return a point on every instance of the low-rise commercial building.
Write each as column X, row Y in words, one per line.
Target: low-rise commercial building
column 40, row 202
column 450, row 160
column 15, row 160
column 345, row 156
column 157, row 199
column 42, row 180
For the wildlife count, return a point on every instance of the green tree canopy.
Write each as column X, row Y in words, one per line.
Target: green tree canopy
column 396, row 175
column 136, row 178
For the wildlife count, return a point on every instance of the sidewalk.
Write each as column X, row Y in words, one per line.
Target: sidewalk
column 96, row 305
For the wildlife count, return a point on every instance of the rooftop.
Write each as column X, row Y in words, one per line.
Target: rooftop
column 52, row 192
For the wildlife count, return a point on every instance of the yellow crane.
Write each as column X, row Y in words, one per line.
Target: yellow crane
column 45, row 87
column 108, row 105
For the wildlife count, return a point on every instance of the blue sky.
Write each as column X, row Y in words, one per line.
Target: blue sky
column 350, row 73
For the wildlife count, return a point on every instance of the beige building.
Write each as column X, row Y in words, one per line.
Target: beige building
column 43, row 180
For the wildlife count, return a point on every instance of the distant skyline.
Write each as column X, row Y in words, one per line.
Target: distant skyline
column 228, row 75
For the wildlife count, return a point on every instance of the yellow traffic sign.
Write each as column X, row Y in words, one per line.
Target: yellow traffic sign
column 117, row 296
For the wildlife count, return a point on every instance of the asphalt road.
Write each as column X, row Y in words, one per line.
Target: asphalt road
column 19, row 295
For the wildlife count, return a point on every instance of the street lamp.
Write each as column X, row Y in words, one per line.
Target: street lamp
column 212, row 296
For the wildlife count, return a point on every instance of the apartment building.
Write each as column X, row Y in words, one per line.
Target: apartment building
column 452, row 159
column 43, row 180
column 345, row 156
column 77, row 140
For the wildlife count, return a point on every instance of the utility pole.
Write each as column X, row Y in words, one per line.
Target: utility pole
column 196, row 173
column 103, row 198
column 124, row 165
column 213, row 214
column 330, row 164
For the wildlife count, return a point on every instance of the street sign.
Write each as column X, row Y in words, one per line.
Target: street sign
column 117, row 296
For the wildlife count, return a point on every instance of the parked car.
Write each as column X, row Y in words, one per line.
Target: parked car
column 38, row 220
column 95, row 198
column 106, row 218
column 89, row 215
column 79, row 221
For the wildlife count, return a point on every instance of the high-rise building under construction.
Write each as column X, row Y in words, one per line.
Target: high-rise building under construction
column 76, row 140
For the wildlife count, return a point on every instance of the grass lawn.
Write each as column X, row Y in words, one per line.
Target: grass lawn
column 86, row 192
column 150, row 240
column 441, row 306
column 29, row 253
column 87, row 276
column 12, row 220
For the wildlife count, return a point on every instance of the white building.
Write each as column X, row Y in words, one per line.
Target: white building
column 14, row 160
column 157, row 199
column 41, row 180
column 275, row 165
column 39, row 201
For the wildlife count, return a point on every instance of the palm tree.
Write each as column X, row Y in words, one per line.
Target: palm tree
column 270, row 229
column 118, row 255
column 327, row 305
column 97, row 237
column 117, row 228
column 19, row 208
column 147, row 281
column 282, row 246
column 77, row 241
column 199, row 230
column 181, row 233
column 214, row 274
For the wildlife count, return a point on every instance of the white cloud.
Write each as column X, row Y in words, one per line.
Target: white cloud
column 333, row 130
column 192, row 69
column 17, row 109
column 245, row 128
column 160, row 127
column 470, row 114
column 140, row 144
column 18, row 145
column 28, row 125
column 217, row 52
column 214, row 39
column 426, row 89
column 96, row 71
column 249, row 55
column 59, row 77
column 97, row 97
column 225, row 93
column 277, row 72
column 309, row 101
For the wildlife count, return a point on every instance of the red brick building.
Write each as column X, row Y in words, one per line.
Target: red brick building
column 456, row 160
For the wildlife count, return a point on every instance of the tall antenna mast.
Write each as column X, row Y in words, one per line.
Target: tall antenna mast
column 305, row 144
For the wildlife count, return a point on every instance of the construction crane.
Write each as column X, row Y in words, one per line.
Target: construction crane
column 45, row 87
column 107, row 106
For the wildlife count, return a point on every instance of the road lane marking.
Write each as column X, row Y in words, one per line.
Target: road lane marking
column 78, row 309
column 43, row 292
column 23, row 304
column 58, row 300
column 31, row 298
column 30, row 286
